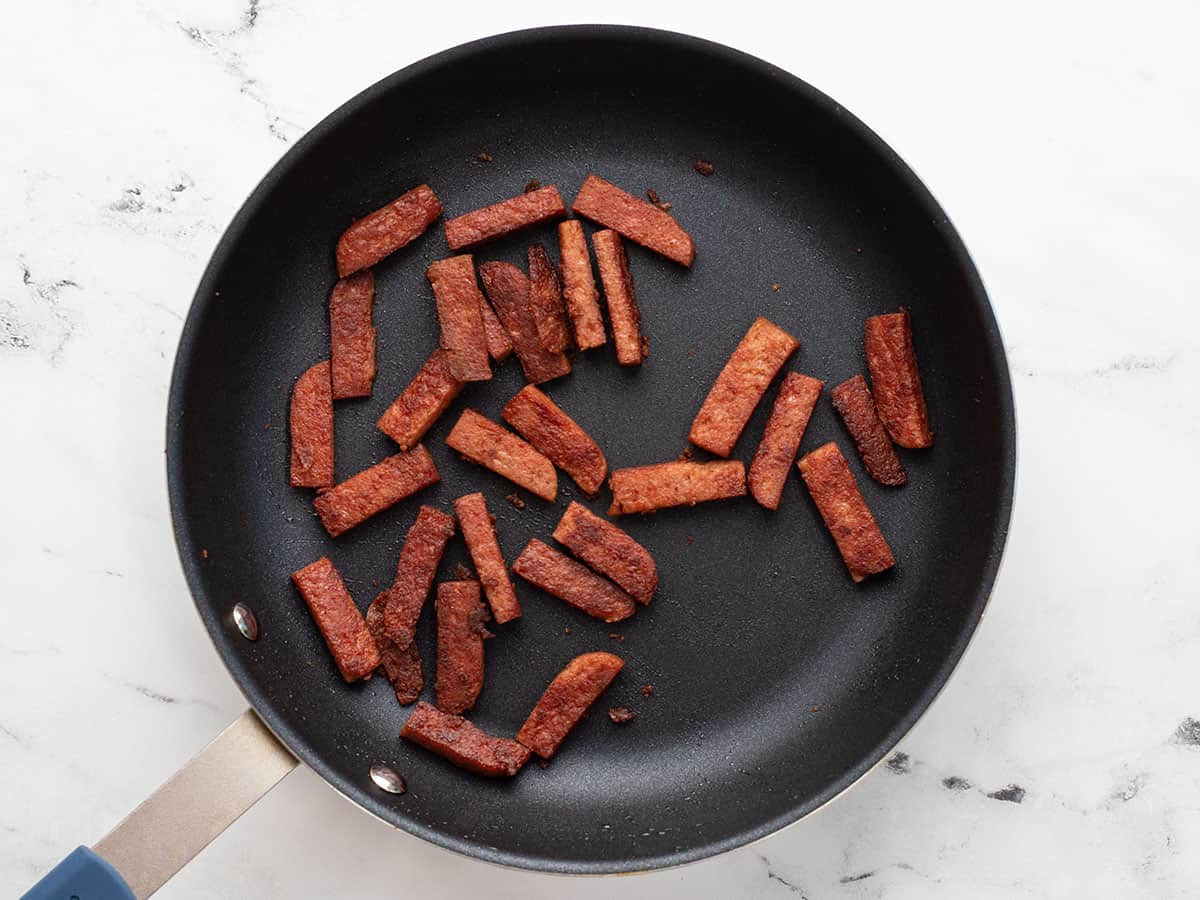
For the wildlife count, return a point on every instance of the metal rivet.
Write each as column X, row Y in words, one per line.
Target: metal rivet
column 387, row 780
column 247, row 624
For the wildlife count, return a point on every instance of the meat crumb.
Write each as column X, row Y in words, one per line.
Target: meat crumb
column 267, row 427
column 858, row 249
column 690, row 539
column 515, row 499
column 543, row 763
column 204, row 554
column 620, row 714
column 652, row 196
column 567, row 630
column 617, row 637
column 374, row 582
column 814, row 709
column 462, row 573
column 647, row 690
column 532, row 186
column 691, row 352
column 483, row 157
column 775, row 287
column 686, row 454
column 704, row 167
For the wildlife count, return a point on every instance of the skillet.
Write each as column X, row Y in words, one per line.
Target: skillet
column 777, row 681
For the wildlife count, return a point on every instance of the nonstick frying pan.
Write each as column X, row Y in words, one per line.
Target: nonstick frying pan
column 777, row 682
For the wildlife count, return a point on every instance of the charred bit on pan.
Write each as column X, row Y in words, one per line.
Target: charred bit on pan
column 647, row 690
column 515, row 499
column 620, row 714
column 532, row 185
column 483, row 156
column 690, row 539
column 617, row 637
column 652, row 196
column 462, row 573
column 567, row 630
column 704, row 167
column 204, row 553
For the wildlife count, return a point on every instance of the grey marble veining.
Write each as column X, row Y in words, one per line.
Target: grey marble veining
column 1063, row 759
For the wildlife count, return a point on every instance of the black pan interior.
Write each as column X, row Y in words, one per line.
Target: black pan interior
column 777, row 682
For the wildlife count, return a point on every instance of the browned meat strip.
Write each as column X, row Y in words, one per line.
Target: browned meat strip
column 579, row 287
column 460, row 312
column 553, row 433
column 461, row 632
column 352, row 336
column 897, row 380
column 419, row 558
column 781, row 437
column 608, row 550
column 679, row 483
column 386, row 230
column 845, row 512
column 499, row 344
column 454, row 738
column 339, row 620
column 508, row 289
column 420, row 404
column 505, row 217
column 739, row 387
column 375, row 489
column 568, row 697
column 311, row 423
column 402, row 667
column 623, row 311
column 641, row 222
column 480, row 536
column 852, row 399
column 573, row 583
column 482, row 441
column 546, row 301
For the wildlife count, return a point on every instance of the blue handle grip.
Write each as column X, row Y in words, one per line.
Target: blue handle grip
column 81, row 876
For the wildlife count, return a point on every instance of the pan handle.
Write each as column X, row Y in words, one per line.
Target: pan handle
column 177, row 821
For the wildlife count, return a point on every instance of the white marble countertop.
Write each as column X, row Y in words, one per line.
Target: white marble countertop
column 1063, row 759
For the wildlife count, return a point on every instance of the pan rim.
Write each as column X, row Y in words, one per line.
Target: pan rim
column 203, row 301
